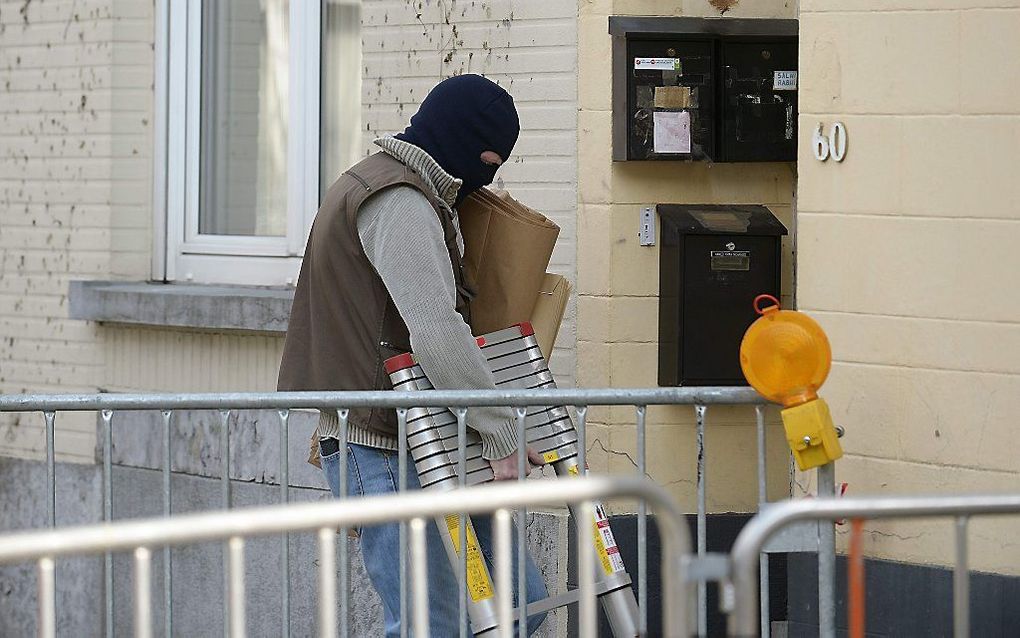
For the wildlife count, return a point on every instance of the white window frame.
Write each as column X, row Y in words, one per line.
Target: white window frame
column 181, row 253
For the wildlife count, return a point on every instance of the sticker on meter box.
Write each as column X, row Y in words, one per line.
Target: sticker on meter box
column 605, row 542
column 657, row 64
column 784, row 81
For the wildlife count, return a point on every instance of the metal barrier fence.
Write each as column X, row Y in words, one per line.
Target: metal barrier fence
column 749, row 544
column 700, row 399
column 325, row 517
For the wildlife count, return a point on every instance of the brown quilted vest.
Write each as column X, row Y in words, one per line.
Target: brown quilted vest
column 343, row 324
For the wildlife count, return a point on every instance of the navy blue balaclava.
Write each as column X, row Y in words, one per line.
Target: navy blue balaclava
column 461, row 118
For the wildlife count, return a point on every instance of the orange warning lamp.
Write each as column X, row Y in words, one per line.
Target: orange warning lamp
column 785, row 356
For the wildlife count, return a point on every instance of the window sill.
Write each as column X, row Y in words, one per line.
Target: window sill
column 207, row 307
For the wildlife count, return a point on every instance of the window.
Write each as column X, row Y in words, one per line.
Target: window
column 261, row 103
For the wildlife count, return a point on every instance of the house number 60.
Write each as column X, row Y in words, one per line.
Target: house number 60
column 833, row 145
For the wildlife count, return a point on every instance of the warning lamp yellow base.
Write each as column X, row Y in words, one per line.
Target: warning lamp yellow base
column 811, row 434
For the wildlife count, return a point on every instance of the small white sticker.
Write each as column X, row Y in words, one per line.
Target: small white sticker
column 785, row 81
column 657, row 64
column 672, row 132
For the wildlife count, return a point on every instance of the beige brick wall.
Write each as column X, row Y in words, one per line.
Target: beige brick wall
column 906, row 253
column 74, row 192
column 618, row 279
column 75, row 180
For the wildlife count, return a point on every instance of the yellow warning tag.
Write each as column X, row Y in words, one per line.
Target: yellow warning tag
column 605, row 542
column 551, row 456
column 600, row 547
column 478, row 582
column 574, row 470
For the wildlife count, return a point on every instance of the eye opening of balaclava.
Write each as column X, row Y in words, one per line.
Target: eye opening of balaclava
column 461, row 118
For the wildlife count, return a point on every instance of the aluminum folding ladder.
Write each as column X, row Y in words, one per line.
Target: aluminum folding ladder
column 516, row 362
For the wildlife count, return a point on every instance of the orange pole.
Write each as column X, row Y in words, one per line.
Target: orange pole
column 856, row 579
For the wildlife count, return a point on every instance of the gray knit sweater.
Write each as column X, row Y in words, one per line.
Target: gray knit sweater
column 403, row 239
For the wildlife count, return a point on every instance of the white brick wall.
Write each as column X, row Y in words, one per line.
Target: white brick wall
column 75, row 178
column 74, row 191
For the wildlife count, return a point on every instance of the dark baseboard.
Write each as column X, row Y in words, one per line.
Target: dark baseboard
column 903, row 600
column 722, row 531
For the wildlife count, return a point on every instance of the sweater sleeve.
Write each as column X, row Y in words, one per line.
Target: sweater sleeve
column 403, row 239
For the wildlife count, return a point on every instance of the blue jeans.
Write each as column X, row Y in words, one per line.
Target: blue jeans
column 372, row 472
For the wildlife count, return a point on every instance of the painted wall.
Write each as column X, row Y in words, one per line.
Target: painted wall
column 75, row 121
column 618, row 279
column 907, row 253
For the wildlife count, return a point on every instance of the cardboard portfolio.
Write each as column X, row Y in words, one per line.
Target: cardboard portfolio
column 507, row 247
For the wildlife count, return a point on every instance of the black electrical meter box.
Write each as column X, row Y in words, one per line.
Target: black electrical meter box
column 713, row 261
column 704, row 89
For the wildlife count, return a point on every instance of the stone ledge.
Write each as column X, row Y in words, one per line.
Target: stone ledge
column 207, row 307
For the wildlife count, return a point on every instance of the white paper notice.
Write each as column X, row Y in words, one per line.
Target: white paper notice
column 672, row 132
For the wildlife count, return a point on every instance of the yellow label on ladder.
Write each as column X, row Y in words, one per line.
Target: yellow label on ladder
column 551, row 457
column 478, row 582
column 605, row 542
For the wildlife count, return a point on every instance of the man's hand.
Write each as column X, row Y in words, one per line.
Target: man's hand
column 506, row 469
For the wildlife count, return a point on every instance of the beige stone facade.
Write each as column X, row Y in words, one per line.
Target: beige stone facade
column 905, row 253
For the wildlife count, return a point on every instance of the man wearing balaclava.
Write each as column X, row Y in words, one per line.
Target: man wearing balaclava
column 383, row 275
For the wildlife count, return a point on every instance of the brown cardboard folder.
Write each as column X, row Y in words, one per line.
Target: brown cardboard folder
column 507, row 247
column 548, row 312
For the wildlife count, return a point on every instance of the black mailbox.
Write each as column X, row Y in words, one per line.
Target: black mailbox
column 704, row 89
column 714, row 260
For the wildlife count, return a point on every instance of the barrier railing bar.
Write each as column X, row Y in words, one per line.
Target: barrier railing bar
column 382, row 399
column 642, row 522
column 285, row 537
column 461, row 519
column 827, row 557
column 585, row 573
column 327, row 582
column 345, row 560
column 225, row 498
column 504, row 603
column 167, row 511
column 202, row 527
column 51, row 471
column 751, row 540
column 143, row 593
column 419, row 586
column 522, row 526
column 582, row 439
column 47, row 598
column 107, row 417
column 961, row 582
column 699, row 412
column 402, row 484
column 235, row 572
column 763, row 498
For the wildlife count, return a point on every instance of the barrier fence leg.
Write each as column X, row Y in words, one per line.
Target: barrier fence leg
column 826, row 557
column 702, row 520
column 763, row 560
column 961, row 583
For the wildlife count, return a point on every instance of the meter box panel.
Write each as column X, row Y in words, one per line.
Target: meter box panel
column 759, row 101
column 704, row 89
column 671, row 99
column 714, row 260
